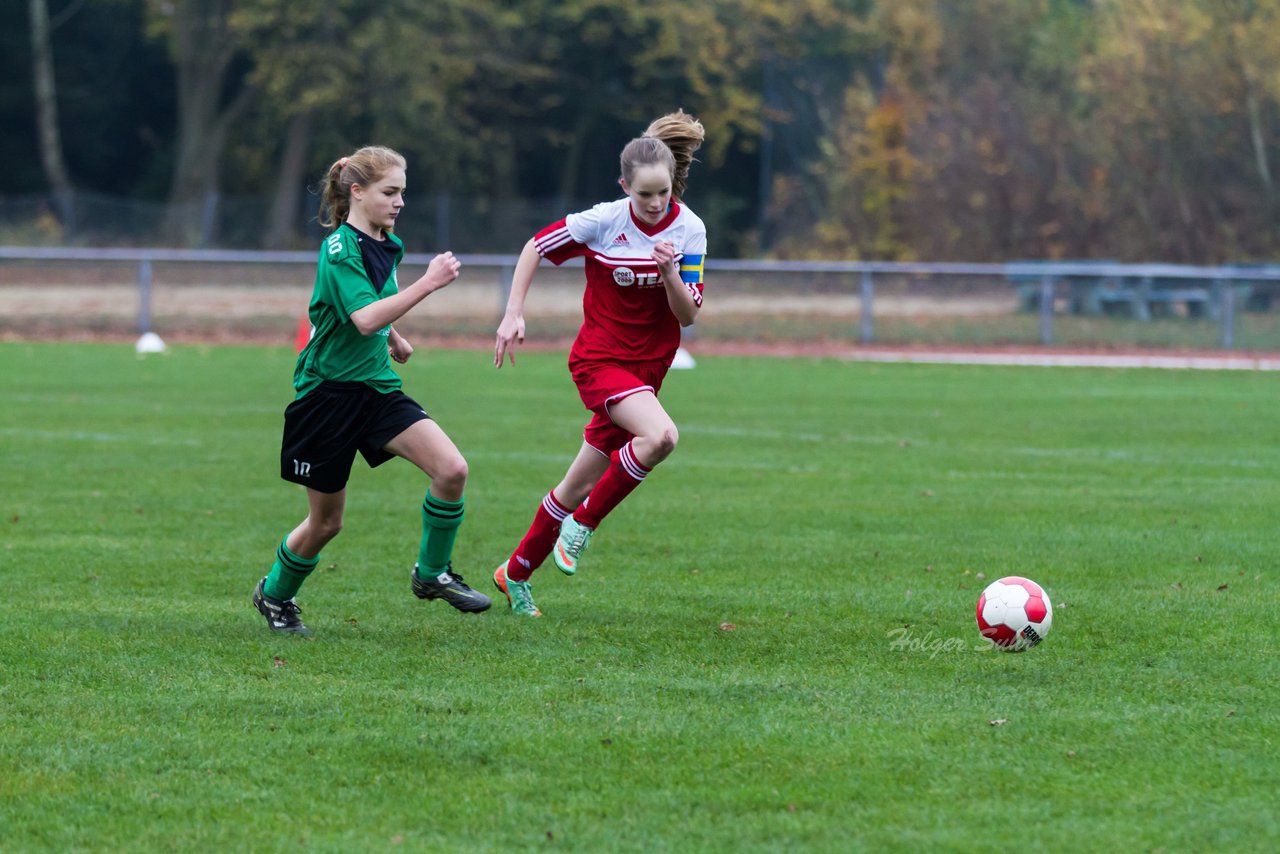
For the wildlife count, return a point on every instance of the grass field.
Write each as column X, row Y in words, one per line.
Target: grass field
column 770, row 646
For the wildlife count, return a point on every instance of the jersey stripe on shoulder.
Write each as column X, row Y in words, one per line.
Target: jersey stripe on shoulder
column 553, row 240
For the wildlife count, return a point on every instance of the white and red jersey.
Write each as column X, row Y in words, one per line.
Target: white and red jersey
column 626, row 316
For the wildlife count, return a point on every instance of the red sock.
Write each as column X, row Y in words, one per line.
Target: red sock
column 538, row 541
column 623, row 475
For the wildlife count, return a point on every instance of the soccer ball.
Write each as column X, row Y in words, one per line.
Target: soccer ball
column 1014, row 613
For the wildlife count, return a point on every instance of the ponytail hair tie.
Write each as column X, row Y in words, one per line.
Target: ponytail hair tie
column 342, row 164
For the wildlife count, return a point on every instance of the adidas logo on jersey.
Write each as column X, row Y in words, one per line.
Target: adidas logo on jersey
column 621, row 240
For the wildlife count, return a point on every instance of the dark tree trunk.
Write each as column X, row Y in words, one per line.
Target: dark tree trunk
column 46, row 97
column 282, row 222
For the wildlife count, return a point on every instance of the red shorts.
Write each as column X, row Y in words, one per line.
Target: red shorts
column 601, row 385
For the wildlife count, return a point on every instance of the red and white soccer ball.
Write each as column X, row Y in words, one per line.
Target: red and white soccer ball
column 1014, row 613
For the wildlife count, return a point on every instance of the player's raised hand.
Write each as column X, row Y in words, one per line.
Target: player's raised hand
column 510, row 333
column 443, row 269
column 664, row 254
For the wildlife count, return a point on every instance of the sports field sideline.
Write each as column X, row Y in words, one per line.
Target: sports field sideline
column 1068, row 359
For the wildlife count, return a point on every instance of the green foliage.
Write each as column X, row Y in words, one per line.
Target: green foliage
column 986, row 130
column 771, row 647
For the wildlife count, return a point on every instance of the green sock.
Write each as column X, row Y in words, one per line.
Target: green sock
column 288, row 573
column 440, row 521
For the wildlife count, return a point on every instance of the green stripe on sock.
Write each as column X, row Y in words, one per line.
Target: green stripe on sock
column 442, row 509
column 288, row 573
column 440, row 521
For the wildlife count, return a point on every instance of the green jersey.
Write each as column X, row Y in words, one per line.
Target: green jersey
column 345, row 283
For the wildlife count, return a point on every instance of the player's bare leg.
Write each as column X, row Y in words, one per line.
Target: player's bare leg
column 584, row 473
column 323, row 523
column 654, row 438
column 296, row 558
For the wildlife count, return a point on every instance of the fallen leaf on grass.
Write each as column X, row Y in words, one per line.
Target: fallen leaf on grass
column 1176, row 585
column 1222, row 587
column 727, row 627
column 279, row 662
column 999, row 722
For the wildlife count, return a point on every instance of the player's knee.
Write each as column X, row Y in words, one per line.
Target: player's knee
column 665, row 442
column 326, row 527
column 452, row 477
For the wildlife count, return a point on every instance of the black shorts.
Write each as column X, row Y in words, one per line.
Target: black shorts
column 324, row 429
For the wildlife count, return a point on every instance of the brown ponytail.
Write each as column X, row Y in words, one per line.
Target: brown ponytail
column 670, row 141
column 683, row 134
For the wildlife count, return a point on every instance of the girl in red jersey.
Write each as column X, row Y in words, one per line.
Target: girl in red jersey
column 644, row 261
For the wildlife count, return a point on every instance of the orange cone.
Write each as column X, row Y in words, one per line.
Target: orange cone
column 304, row 333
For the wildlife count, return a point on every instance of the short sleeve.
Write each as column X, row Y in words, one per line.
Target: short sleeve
column 565, row 238
column 585, row 225
column 351, row 288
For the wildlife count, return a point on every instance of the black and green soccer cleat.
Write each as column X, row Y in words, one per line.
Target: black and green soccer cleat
column 450, row 587
column 281, row 614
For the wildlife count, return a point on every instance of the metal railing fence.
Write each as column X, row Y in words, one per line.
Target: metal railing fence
column 1044, row 285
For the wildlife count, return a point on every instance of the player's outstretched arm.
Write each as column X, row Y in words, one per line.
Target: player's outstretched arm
column 442, row 270
column 511, row 329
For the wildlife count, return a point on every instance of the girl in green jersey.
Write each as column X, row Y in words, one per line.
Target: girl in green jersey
column 348, row 398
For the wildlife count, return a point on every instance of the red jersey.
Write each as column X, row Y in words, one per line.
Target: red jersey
column 626, row 316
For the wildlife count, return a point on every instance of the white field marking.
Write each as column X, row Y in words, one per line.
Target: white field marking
column 1093, row 479
column 1076, row 360
column 82, row 436
column 78, row 399
column 523, row 456
column 755, row 433
column 689, row 461
column 1083, row 454
column 1141, row 458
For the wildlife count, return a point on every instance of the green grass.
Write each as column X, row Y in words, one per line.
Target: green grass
column 841, row 516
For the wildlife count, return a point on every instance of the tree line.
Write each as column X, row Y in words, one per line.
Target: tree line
column 982, row 130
